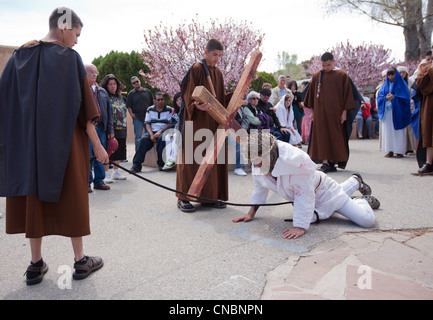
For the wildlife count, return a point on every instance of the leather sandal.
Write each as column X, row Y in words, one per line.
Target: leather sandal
column 84, row 269
column 372, row 201
column 34, row 275
column 363, row 187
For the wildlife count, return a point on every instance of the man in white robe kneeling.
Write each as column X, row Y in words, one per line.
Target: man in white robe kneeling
column 290, row 172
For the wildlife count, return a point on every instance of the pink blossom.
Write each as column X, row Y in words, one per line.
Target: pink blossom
column 169, row 52
column 364, row 64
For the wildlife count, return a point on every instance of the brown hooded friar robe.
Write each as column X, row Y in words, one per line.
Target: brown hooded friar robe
column 424, row 82
column 216, row 186
column 69, row 215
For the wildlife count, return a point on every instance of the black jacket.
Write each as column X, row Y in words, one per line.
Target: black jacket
column 273, row 119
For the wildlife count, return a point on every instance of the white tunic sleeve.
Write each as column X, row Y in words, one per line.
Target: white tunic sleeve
column 304, row 200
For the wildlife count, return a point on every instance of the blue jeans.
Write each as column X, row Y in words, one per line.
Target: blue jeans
column 145, row 145
column 237, row 152
column 276, row 132
column 360, row 124
column 138, row 131
column 283, row 136
column 238, row 164
column 97, row 167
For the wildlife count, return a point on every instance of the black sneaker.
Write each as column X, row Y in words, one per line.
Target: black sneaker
column 216, row 205
column 327, row 168
column 135, row 169
column 185, row 206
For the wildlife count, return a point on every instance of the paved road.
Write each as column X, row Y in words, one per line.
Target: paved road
column 153, row 251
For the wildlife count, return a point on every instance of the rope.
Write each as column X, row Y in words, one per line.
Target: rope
column 196, row 197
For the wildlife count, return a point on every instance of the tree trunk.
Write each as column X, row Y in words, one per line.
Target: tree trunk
column 425, row 29
column 412, row 51
column 408, row 14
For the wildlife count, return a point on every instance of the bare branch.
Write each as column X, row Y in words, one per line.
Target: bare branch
column 371, row 16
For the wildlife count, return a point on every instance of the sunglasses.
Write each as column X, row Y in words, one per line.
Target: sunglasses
column 135, row 82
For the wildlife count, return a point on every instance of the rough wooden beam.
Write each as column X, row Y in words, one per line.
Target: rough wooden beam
column 217, row 111
column 229, row 115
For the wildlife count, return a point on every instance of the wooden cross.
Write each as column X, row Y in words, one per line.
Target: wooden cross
column 225, row 118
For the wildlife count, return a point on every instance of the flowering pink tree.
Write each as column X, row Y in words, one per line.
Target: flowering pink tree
column 364, row 64
column 169, row 52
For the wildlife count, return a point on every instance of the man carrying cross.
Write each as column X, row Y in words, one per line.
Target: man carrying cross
column 216, row 186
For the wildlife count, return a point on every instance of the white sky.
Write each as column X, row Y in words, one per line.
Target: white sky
column 299, row 27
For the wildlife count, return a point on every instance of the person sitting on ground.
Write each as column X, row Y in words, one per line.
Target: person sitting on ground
column 290, row 172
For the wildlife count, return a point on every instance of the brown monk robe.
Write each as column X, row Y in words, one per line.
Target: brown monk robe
column 70, row 216
column 46, row 186
column 328, row 140
column 424, row 82
column 216, row 186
